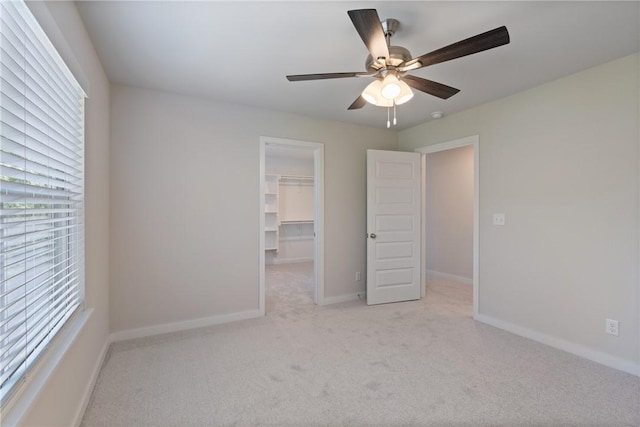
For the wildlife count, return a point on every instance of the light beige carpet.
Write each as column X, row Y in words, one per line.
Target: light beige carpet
column 289, row 287
column 423, row 363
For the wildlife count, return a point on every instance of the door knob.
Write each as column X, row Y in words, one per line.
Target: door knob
column 373, row 235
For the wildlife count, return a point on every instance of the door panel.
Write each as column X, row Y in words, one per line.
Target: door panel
column 393, row 226
column 394, row 250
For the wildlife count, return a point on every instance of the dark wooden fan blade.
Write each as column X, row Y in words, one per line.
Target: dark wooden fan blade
column 430, row 87
column 358, row 103
column 485, row 41
column 368, row 25
column 303, row 77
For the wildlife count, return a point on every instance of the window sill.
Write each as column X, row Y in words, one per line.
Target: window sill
column 27, row 393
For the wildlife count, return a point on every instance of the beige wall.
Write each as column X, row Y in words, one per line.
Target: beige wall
column 561, row 160
column 61, row 399
column 184, row 204
column 449, row 212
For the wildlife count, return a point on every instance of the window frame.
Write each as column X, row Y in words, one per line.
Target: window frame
column 60, row 334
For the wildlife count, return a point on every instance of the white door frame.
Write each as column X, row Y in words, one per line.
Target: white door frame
column 473, row 140
column 318, row 178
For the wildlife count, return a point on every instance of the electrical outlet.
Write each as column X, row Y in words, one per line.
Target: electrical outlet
column 612, row 327
column 499, row 219
column 357, row 276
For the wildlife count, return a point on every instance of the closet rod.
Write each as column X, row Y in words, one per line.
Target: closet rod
column 297, row 177
column 297, row 221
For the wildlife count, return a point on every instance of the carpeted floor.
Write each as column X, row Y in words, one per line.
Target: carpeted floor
column 414, row 363
column 289, row 287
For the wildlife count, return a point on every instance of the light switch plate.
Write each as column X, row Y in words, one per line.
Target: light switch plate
column 499, row 219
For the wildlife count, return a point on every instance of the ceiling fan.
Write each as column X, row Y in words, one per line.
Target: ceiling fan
column 389, row 65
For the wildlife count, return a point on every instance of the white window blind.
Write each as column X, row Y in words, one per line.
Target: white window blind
column 41, row 194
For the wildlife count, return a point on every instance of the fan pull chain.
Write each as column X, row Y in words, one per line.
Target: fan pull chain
column 395, row 122
column 388, row 113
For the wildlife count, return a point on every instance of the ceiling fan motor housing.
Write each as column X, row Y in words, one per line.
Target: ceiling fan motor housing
column 397, row 55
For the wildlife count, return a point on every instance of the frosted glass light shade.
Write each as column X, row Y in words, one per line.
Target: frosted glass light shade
column 405, row 93
column 372, row 94
column 372, row 91
column 390, row 87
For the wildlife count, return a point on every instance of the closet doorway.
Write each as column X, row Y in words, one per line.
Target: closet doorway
column 450, row 206
column 291, row 224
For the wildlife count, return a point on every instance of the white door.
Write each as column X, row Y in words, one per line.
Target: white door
column 393, row 226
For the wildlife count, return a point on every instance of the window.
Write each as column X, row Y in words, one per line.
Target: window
column 41, row 194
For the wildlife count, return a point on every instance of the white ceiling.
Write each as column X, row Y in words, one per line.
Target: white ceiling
column 241, row 51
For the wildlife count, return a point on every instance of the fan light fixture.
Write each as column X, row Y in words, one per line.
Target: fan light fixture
column 388, row 92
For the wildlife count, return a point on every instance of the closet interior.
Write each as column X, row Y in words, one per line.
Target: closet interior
column 289, row 225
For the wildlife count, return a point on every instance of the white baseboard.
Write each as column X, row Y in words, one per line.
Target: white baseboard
column 77, row 419
column 569, row 347
column 344, row 298
column 461, row 279
column 184, row 325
